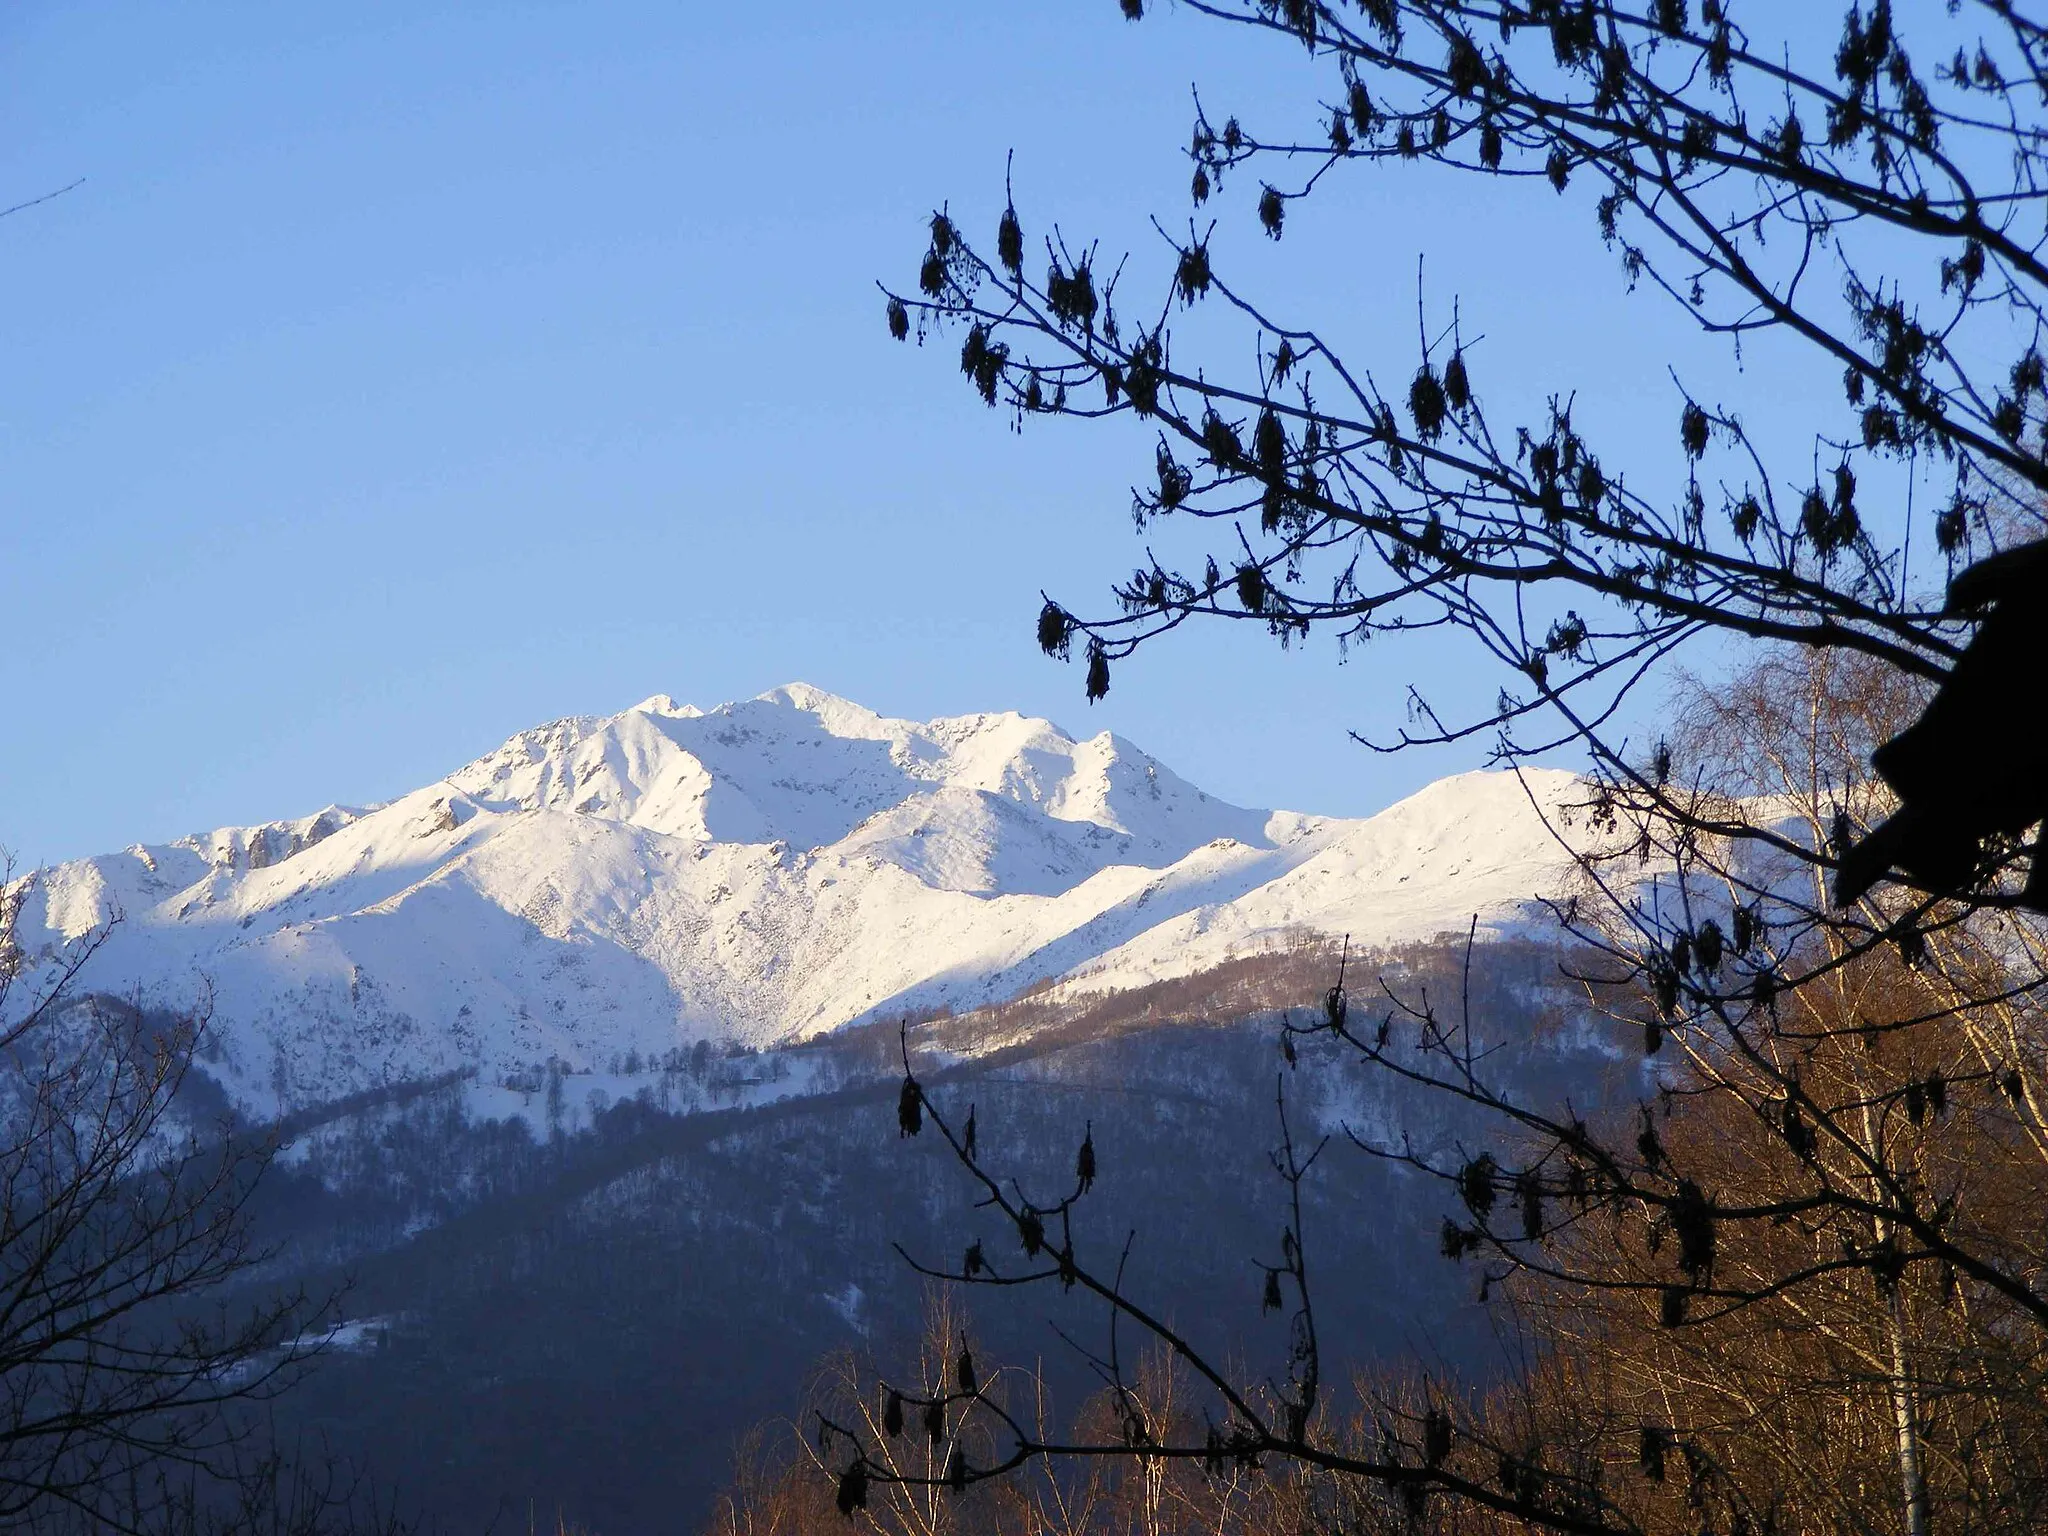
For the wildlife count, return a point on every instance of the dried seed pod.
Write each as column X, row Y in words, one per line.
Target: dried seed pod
column 1791, row 137
column 1881, row 430
column 1476, row 1185
column 1797, row 1134
column 1747, row 515
column 899, row 319
column 1436, row 1437
column 1071, row 295
column 1426, row 404
column 1692, row 1218
column 1707, row 945
column 968, row 1383
column 1692, row 430
column 983, row 361
column 1489, row 145
column 1815, row 521
column 853, row 1489
column 1010, row 242
column 1648, row 1147
column 1251, row 588
column 1457, row 385
column 909, row 1109
column 1084, row 1161
column 1219, row 441
column 1529, row 1195
column 1142, row 382
column 1269, row 444
column 892, row 1415
column 1272, row 211
column 1174, row 481
column 1650, row 1449
column 1362, row 115
column 1466, row 69
column 1592, row 485
column 1054, row 628
column 1272, row 1301
column 1098, row 673
column 1664, row 987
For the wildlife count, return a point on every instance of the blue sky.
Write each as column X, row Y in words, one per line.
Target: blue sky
column 401, row 376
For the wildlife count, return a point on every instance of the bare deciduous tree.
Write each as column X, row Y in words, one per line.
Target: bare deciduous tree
column 132, row 1353
column 1792, row 1284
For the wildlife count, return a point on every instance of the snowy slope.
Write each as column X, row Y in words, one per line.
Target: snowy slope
column 760, row 872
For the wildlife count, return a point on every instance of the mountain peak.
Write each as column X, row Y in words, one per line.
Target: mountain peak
column 764, row 871
column 807, row 697
column 841, row 717
column 664, row 704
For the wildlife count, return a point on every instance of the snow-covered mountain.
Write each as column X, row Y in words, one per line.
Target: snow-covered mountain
column 762, row 872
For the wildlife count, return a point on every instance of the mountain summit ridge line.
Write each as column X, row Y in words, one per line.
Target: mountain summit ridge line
column 762, row 872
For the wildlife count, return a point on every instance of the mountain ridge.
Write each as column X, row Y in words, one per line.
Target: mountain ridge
column 762, row 872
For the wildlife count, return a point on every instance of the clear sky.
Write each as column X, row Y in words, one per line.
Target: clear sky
column 404, row 375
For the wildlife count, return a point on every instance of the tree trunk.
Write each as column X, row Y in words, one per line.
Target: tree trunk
column 1906, row 1424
